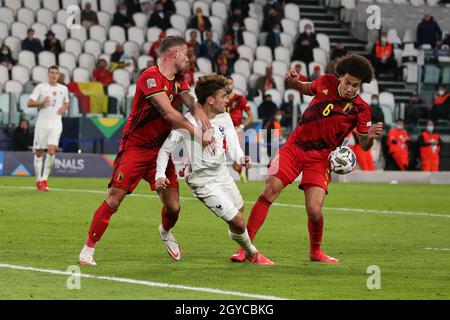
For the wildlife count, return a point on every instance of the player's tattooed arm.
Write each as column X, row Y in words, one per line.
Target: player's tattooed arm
column 375, row 132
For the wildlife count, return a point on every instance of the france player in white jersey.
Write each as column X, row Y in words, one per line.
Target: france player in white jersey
column 207, row 175
column 52, row 100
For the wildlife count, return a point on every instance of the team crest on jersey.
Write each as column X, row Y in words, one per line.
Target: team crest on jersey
column 54, row 93
column 120, row 177
column 151, row 83
column 222, row 130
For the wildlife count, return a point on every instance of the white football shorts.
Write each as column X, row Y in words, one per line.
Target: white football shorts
column 44, row 137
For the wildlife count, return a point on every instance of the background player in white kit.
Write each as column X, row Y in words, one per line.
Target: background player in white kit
column 52, row 100
column 207, row 175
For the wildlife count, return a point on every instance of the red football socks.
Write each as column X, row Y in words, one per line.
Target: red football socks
column 315, row 229
column 99, row 224
column 168, row 220
column 257, row 216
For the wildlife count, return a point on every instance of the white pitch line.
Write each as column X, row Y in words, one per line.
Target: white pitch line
column 438, row 249
column 143, row 282
column 389, row 212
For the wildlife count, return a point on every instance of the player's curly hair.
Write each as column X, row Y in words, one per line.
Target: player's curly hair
column 356, row 66
column 207, row 86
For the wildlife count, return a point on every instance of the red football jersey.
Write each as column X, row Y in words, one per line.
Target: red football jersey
column 145, row 127
column 235, row 107
column 329, row 118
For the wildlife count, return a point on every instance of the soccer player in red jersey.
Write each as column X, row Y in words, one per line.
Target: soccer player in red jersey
column 236, row 107
column 159, row 92
column 333, row 113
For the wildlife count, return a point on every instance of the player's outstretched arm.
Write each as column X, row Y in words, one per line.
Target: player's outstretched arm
column 166, row 150
column 375, row 131
column 293, row 78
column 195, row 109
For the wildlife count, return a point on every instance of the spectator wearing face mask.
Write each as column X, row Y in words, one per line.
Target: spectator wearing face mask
column 273, row 39
column 122, row 17
column 441, row 106
column 236, row 18
column 159, row 18
column 397, row 142
column 6, row 58
column 277, row 5
column 309, row 35
column 429, row 142
column 377, row 112
column 383, row 57
column 428, row 31
column 236, row 34
column 52, row 44
column 270, row 20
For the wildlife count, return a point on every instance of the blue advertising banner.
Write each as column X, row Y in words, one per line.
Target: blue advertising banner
column 1, row 163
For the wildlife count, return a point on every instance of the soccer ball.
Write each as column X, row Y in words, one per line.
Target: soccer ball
column 342, row 160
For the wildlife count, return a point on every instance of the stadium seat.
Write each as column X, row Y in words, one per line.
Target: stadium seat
column 366, row 96
column 109, row 46
column 106, row 57
column 20, row 73
column 104, row 19
column 303, row 107
column 93, row 47
column 142, row 61
column 393, row 37
column 409, row 36
column 62, row 16
column 304, row 22
column 31, row 4
column 240, row 82
column 276, row 96
column 198, row 75
column 153, row 34
column 15, row 44
column 4, row 33
column 68, row 3
column 324, row 42
column 320, row 56
column 131, row 90
column 79, row 34
column 117, row 33
column 98, row 33
column 446, row 75
column 26, row 16
column 108, row 6
column 68, row 60
column 15, row 88
column 262, row 38
column 173, row 32
column 292, row 11
column 14, row 5
column 282, row 54
column 73, row 46
column 132, row 49
column 204, row 65
column 117, row 91
column 252, row 80
column 203, row 5
column 371, row 87
column 287, row 41
column 40, row 30
column 7, row 15
column 60, row 31
column 4, row 75
column 279, row 82
column 137, row 35
column 297, row 98
column 81, row 75
column 86, row 61
column 256, row 11
column 67, row 74
column 183, row 8
column 178, row 22
column 47, row 59
column 250, row 39
column 259, row 66
column 431, row 73
column 245, row 52
column 141, row 20
column 289, row 26
column 217, row 25
column 219, row 9
column 19, row 30
column 5, row 106
column 52, row 5
column 279, row 68
column 388, row 115
column 27, row 58
column 122, row 77
column 417, row 3
column 243, row 67
column 387, row 98
column 433, row 3
column 252, row 24
column 39, row 74
column 45, row 16
column 264, row 53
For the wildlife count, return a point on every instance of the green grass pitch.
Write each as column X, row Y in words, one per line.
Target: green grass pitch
column 47, row 231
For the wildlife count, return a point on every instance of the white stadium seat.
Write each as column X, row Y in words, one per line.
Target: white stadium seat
column 371, row 87
column 132, row 49
column 297, row 97
column 14, row 5
column 289, row 26
column 204, row 65
column 219, row 9
column 279, row 68
column 304, row 22
column 116, row 90
column 282, row 54
column 109, row 46
column 292, row 11
column 240, row 82
column 217, row 25
column 7, row 15
column 246, row 53
column 252, row 24
column 137, row 35
column 203, row 5
column 313, row 64
column 122, row 77
column 20, row 73
column 104, row 19
column 39, row 74
column 183, row 8
column 15, row 87
column 52, row 5
column 276, row 96
column 93, row 47
column 141, row 20
column 45, row 16
column 68, row 60
column 86, row 61
column 108, row 6
column 243, row 67
column 40, row 30
column 81, row 75
column 31, row 4
column 26, row 16
column 250, row 39
column 178, row 22
column 74, row 46
column 153, row 34
column 174, row 32
column 60, row 31
column 15, row 44
column 27, row 58
column 320, row 56
column 386, row 98
column 259, row 66
column 47, row 59
column 264, row 53
column 143, row 60
column 19, row 30
column 98, row 33
column 324, row 42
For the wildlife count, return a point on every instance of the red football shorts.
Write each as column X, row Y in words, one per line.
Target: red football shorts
column 291, row 160
column 133, row 165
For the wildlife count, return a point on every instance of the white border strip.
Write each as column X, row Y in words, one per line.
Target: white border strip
column 407, row 213
column 143, row 282
column 438, row 249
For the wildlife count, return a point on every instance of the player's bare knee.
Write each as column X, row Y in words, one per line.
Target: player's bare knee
column 272, row 191
column 114, row 199
column 314, row 211
column 173, row 208
column 237, row 224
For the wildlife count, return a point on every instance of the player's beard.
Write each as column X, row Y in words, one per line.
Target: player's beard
column 182, row 68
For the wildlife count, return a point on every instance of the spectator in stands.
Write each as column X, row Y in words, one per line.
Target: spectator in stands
column 88, row 16
column 192, row 60
column 223, row 65
column 133, row 6
column 6, row 58
column 383, row 57
column 123, row 17
column 230, row 53
column 236, row 20
column 303, row 78
column 159, row 18
column 62, row 78
column 428, row 31
column 338, row 51
column 277, row 5
column 32, row 44
column 429, row 143
column 22, row 136
column 236, row 34
column 209, row 48
column 102, row 74
column 243, row 5
column 193, row 42
column 270, row 20
column 119, row 59
column 146, row 7
column 266, row 82
column 154, row 49
column 309, row 35
column 441, row 106
column 273, row 39
column 287, row 109
column 377, row 112
column 315, row 74
column 397, row 142
column 303, row 51
column 169, row 7
column 267, row 109
column 274, row 131
column 200, row 21
column 415, row 109
column 52, row 44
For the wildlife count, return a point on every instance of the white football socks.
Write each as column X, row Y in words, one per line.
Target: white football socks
column 244, row 242
column 48, row 166
column 38, row 168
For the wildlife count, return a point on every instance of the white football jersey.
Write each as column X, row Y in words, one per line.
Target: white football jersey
column 204, row 161
column 48, row 115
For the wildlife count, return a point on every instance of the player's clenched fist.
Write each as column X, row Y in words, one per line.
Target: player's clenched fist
column 376, row 130
column 161, row 184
